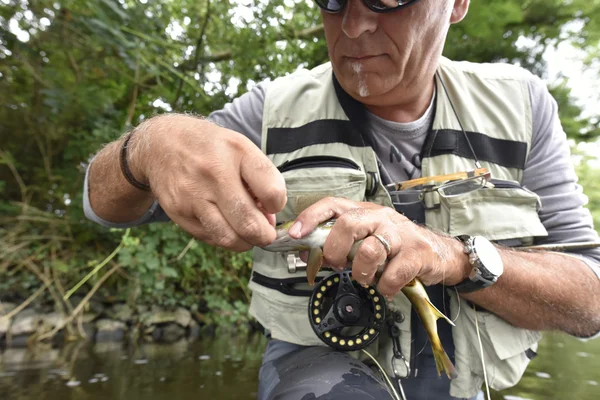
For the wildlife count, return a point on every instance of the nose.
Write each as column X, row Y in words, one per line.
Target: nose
column 358, row 19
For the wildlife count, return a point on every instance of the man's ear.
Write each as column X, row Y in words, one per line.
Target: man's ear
column 459, row 11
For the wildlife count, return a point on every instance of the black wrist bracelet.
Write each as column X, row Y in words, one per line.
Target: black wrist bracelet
column 125, row 168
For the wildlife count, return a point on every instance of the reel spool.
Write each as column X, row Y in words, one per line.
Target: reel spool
column 344, row 314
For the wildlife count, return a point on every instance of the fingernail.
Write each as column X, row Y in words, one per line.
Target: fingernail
column 296, row 230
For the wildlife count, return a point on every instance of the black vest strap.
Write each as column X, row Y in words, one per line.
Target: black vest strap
column 506, row 153
column 285, row 286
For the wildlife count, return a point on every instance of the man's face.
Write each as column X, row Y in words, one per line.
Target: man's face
column 373, row 54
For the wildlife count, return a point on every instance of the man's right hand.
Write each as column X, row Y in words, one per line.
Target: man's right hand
column 213, row 182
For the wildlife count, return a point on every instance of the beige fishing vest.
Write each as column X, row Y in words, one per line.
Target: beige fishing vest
column 303, row 119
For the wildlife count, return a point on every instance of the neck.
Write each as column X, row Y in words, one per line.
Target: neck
column 406, row 104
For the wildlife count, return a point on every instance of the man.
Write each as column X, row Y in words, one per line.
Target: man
column 388, row 109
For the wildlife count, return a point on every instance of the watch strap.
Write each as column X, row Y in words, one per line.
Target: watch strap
column 471, row 283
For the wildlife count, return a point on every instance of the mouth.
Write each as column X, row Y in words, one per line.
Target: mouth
column 362, row 58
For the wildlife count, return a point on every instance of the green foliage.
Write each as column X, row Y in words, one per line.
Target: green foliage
column 91, row 69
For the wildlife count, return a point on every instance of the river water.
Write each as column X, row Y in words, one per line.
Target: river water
column 226, row 367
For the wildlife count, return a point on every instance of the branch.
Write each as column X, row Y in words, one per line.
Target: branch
column 197, row 51
column 25, row 303
column 5, row 159
column 228, row 54
column 81, row 304
column 134, row 95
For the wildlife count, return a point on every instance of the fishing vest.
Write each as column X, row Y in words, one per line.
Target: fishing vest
column 307, row 134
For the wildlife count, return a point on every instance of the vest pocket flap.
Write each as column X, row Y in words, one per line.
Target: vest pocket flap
column 311, row 179
column 496, row 213
column 508, row 340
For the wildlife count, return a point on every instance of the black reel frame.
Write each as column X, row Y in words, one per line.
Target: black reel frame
column 344, row 314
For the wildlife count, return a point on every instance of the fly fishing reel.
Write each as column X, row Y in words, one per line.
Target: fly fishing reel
column 344, row 314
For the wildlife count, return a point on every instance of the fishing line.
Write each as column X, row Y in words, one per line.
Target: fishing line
column 487, row 385
column 387, row 379
column 458, row 301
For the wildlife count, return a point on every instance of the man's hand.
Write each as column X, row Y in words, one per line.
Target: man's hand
column 213, row 182
column 414, row 250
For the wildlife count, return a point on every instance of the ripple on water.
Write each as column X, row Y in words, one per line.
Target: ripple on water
column 593, row 383
column 544, row 375
column 204, row 357
column 93, row 380
column 218, row 373
column 73, row 383
column 583, row 354
column 511, row 397
column 141, row 361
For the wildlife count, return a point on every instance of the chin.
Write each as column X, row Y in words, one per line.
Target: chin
column 363, row 79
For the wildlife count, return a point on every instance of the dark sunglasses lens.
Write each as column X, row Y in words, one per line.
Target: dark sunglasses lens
column 386, row 5
column 374, row 5
column 331, row 5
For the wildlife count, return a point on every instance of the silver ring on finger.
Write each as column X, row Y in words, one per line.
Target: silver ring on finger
column 384, row 242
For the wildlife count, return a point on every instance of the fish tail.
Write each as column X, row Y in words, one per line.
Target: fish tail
column 442, row 361
column 313, row 266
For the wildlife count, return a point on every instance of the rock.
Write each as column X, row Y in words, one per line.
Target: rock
column 109, row 330
column 156, row 334
column 180, row 316
column 18, row 341
column 26, row 322
column 4, row 326
column 5, row 308
column 194, row 332
column 53, row 319
column 172, row 332
column 121, row 312
column 89, row 329
column 89, row 317
column 184, row 317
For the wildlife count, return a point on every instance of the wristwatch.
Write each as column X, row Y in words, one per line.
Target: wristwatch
column 486, row 262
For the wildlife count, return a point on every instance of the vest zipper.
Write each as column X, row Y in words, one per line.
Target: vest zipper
column 318, row 162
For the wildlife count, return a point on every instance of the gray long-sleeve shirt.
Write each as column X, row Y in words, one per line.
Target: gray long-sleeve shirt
column 548, row 171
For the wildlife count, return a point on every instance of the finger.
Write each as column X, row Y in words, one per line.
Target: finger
column 371, row 254
column 263, row 179
column 349, row 228
column 398, row 272
column 242, row 213
column 210, row 226
column 271, row 218
column 321, row 211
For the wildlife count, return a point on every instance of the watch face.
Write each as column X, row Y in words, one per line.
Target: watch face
column 489, row 258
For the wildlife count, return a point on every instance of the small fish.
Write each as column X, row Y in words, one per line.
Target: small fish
column 414, row 290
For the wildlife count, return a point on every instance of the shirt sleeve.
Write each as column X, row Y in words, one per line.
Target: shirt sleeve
column 243, row 115
column 549, row 172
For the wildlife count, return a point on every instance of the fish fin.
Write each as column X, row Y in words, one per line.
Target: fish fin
column 438, row 314
column 313, row 266
column 443, row 363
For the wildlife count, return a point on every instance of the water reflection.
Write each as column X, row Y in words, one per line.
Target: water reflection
column 227, row 368
column 116, row 371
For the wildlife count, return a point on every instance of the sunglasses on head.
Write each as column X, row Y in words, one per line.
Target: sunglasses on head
column 378, row 6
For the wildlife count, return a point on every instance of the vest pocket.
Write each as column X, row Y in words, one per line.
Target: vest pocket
column 506, row 348
column 310, row 179
column 507, row 211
